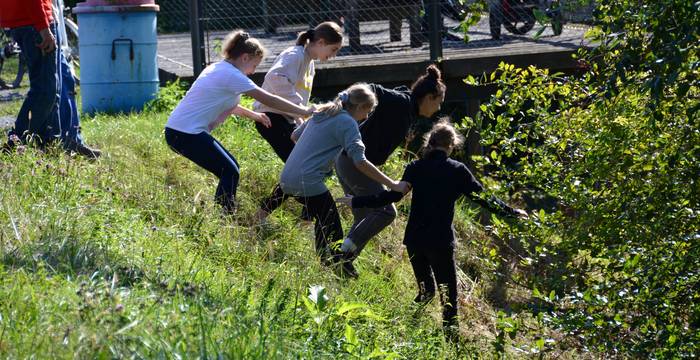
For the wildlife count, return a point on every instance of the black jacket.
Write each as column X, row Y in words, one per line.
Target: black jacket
column 438, row 182
column 387, row 127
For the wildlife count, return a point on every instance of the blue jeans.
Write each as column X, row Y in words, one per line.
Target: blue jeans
column 38, row 115
column 208, row 153
column 69, row 119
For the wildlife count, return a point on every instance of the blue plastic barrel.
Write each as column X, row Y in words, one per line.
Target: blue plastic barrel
column 118, row 48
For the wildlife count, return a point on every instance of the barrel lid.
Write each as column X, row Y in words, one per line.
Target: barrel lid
column 98, row 6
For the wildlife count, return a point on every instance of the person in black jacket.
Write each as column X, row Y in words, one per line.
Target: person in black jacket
column 437, row 182
column 391, row 124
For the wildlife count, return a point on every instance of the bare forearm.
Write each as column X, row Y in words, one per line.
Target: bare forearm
column 373, row 173
column 277, row 102
column 241, row 111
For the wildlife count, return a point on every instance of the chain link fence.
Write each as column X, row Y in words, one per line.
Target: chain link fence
column 378, row 28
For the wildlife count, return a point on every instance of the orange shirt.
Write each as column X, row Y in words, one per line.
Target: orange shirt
column 16, row 13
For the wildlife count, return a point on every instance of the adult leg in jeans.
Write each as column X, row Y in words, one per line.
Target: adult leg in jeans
column 68, row 110
column 367, row 222
column 38, row 114
column 208, row 153
column 327, row 226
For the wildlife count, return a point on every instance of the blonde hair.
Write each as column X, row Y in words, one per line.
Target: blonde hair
column 239, row 42
column 442, row 135
column 357, row 96
column 329, row 31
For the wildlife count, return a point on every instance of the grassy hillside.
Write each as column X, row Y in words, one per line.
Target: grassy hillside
column 129, row 256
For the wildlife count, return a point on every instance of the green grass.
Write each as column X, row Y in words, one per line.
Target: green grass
column 129, row 256
column 9, row 71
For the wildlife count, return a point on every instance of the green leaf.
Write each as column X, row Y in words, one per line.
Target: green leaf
column 347, row 307
column 350, row 336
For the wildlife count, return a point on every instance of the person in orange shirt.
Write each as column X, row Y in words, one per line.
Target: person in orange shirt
column 31, row 24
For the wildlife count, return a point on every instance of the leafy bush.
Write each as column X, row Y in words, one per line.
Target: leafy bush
column 168, row 97
column 617, row 151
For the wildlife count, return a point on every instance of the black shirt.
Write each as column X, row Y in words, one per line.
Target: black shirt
column 386, row 128
column 438, row 182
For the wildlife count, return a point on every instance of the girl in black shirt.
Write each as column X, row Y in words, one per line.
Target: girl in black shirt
column 437, row 182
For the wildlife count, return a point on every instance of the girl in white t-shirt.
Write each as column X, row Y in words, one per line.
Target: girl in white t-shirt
column 209, row 102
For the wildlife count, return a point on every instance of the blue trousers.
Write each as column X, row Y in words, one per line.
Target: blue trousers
column 38, row 115
column 208, row 153
column 50, row 110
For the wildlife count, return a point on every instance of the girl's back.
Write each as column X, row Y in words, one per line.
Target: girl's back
column 437, row 183
column 322, row 138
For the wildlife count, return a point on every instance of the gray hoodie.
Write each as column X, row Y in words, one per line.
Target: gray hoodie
column 311, row 162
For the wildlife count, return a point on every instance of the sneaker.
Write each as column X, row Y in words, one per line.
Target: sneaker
column 344, row 267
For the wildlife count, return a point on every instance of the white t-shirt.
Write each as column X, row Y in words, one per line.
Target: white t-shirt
column 216, row 92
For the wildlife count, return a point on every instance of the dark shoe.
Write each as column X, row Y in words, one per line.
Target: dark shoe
column 452, row 332
column 86, row 151
column 344, row 267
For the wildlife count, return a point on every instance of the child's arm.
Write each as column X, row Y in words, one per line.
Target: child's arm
column 382, row 199
column 472, row 189
column 279, row 103
column 371, row 171
column 250, row 114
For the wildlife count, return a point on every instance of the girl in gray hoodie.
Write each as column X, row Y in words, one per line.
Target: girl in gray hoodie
column 334, row 128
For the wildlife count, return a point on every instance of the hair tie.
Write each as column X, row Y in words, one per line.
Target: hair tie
column 343, row 96
column 311, row 32
column 245, row 36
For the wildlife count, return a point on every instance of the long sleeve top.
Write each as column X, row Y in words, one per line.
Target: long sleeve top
column 321, row 139
column 437, row 182
column 291, row 77
column 387, row 127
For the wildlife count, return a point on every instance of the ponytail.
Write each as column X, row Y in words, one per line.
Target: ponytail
column 429, row 83
column 238, row 43
column 358, row 95
column 329, row 31
column 305, row 37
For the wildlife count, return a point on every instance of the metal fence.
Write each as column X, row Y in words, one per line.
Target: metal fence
column 374, row 28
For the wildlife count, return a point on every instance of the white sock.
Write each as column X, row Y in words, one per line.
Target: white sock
column 348, row 246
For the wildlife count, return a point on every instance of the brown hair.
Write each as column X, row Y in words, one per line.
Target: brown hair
column 239, row 42
column 356, row 96
column 329, row 31
column 429, row 83
column 442, row 135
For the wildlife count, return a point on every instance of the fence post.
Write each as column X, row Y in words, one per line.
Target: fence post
column 197, row 33
column 435, row 29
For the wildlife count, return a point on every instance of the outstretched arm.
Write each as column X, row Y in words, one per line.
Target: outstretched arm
column 377, row 175
column 279, row 103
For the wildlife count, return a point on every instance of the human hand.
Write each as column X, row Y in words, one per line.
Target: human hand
column 48, row 41
column 345, row 200
column 401, row 186
column 311, row 110
column 521, row 214
column 263, row 119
